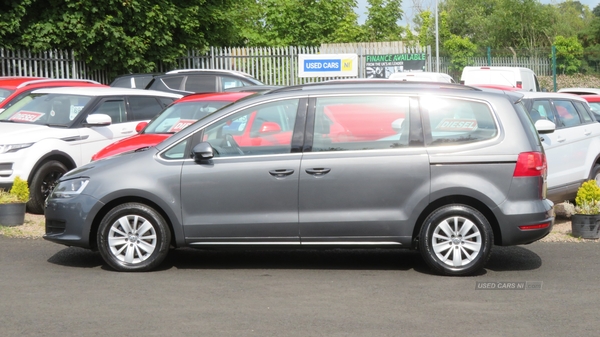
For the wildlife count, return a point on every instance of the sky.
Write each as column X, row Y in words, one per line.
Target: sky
column 409, row 8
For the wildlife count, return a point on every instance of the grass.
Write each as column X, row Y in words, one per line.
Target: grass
column 33, row 228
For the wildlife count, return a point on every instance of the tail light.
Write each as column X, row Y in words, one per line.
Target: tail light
column 519, row 84
column 530, row 164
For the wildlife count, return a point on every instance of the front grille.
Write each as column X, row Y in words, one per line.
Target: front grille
column 55, row 226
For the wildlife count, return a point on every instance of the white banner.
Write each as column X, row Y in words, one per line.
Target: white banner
column 327, row 65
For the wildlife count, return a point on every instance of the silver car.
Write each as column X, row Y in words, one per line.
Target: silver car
column 445, row 169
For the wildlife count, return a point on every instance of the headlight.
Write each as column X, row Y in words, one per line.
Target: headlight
column 13, row 147
column 69, row 188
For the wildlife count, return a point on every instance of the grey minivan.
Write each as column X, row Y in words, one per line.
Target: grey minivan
column 446, row 169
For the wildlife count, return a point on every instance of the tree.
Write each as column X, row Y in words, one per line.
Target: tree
column 460, row 50
column 127, row 35
column 525, row 24
column 569, row 53
column 303, row 22
column 382, row 21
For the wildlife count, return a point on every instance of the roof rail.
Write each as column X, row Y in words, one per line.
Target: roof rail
column 382, row 82
column 24, row 84
column 179, row 71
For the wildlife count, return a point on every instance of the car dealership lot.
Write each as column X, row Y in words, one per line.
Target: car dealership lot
column 52, row 290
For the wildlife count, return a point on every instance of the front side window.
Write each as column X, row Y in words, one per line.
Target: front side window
column 262, row 129
column 541, row 109
column 457, row 121
column 115, row 108
column 47, row 109
column 361, row 123
column 230, row 82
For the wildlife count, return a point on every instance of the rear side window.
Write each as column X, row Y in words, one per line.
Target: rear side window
column 201, row 83
column 566, row 113
column 585, row 114
column 456, row 121
column 143, row 108
column 361, row 123
column 173, row 82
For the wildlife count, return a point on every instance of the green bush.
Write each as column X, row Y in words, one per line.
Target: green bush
column 587, row 200
column 18, row 193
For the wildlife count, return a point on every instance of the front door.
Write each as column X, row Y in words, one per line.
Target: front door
column 249, row 191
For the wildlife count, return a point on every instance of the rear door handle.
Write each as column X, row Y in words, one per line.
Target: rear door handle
column 318, row 171
column 281, row 173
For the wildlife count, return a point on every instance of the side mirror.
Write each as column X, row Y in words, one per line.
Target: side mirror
column 269, row 127
column 140, row 126
column 544, row 126
column 203, row 151
column 98, row 120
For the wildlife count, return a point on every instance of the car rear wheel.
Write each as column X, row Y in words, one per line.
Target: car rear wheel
column 43, row 183
column 133, row 237
column 456, row 240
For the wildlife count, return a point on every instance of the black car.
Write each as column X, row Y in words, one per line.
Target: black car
column 190, row 81
column 134, row 81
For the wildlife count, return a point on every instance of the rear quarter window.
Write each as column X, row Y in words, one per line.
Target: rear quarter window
column 453, row 121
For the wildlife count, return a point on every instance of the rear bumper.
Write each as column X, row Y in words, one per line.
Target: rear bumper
column 542, row 212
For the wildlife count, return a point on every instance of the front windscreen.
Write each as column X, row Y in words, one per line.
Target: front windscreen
column 46, row 109
column 180, row 115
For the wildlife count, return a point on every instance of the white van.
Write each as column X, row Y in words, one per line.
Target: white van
column 422, row 76
column 523, row 79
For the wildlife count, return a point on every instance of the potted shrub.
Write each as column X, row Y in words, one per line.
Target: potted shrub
column 13, row 203
column 585, row 222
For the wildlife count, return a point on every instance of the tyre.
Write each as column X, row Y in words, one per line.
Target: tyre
column 133, row 237
column 456, row 240
column 595, row 174
column 42, row 183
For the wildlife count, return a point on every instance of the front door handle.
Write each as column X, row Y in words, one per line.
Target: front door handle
column 281, row 173
column 318, row 171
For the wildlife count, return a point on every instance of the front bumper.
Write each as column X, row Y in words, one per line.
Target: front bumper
column 69, row 221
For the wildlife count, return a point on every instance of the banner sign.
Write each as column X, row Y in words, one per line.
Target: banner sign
column 382, row 66
column 327, row 65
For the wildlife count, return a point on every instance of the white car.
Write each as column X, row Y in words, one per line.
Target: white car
column 573, row 148
column 51, row 131
column 580, row 91
column 422, row 76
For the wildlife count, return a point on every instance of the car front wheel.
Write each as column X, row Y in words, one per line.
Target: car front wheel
column 456, row 240
column 43, row 183
column 133, row 237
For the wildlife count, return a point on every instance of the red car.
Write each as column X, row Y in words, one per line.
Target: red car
column 175, row 117
column 594, row 102
column 14, row 87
